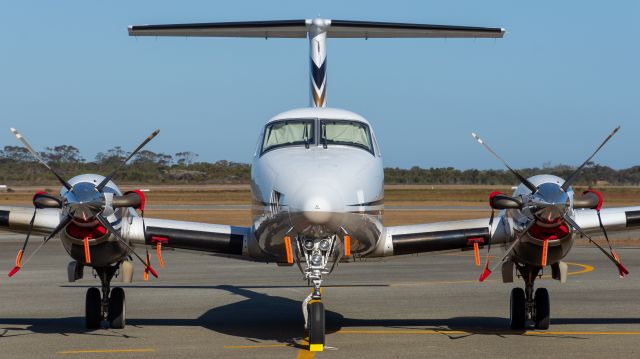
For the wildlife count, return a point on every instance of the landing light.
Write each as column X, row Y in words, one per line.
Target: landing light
column 325, row 245
column 316, row 259
column 308, row 244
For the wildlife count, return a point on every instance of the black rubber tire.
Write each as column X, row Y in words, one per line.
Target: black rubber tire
column 93, row 310
column 316, row 323
column 117, row 308
column 518, row 309
column 543, row 309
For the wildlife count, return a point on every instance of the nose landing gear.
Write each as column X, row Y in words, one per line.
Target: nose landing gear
column 317, row 253
column 527, row 306
column 314, row 320
column 109, row 305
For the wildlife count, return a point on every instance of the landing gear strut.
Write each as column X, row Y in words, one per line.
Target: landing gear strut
column 108, row 305
column 525, row 305
column 314, row 319
column 317, row 253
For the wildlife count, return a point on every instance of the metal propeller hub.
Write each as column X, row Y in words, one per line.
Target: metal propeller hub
column 549, row 203
column 83, row 202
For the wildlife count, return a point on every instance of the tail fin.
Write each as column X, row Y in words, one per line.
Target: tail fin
column 317, row 31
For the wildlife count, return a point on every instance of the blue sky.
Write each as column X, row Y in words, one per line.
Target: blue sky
column 565, row 74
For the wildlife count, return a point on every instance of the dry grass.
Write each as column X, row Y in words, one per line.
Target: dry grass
column 243, row 217
column 395, row 195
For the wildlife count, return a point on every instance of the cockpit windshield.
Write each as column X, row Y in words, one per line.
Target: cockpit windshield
column 288, row 133
column 344, row 132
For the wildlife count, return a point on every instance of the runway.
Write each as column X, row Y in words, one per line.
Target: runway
column 405, row 307
column 234, row 207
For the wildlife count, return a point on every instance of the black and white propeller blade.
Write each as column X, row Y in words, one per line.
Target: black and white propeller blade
column 37, row 156
column 63, row 223
column 612, row 256
column 521, row 178
column 487, row 272
column 575, row 173
column 106, row 180
column 115, row 232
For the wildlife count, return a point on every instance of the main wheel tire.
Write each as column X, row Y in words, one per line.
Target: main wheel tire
column 316, row 326
column 518, row 316
column 117, row 308
column 93, row 310
column 543, row 309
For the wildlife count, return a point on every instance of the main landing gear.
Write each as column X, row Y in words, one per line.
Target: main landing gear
column 527, row 306
column 109, row 305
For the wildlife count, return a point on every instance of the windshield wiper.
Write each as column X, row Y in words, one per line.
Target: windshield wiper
column 305, row 136
column 324, row 136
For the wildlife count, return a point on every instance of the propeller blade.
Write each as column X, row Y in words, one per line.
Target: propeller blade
column 488, row 271
column 523, row 180
column 60, row 226
column 612, row 257
column 106, row 180
column 37, row 156
column 575, row 173
column 113, row 231
column 18, row 265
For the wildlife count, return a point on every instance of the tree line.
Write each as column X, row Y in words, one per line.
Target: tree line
column 19, row 167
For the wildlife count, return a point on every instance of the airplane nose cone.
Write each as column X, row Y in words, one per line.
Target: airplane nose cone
column 317, row 202
column 317, row 209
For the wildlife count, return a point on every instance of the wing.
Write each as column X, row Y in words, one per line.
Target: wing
column 614, row 219
column 206, row 237
column 442, row 236
column 16, row 219
column 215, row 238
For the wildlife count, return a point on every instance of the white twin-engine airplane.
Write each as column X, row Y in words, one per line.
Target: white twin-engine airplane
column 317, row 188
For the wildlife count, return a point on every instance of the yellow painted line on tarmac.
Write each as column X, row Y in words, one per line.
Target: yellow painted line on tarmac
column 257, row 346
column 89, row 351
column 305, row 354
column 487, row 332
column 585, row 268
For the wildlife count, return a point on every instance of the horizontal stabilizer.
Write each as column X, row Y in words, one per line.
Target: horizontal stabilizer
column 299, row 29
column 367, row 29
column 266, row 29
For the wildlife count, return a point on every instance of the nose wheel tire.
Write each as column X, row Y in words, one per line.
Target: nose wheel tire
column 543, row 309
column 117, row 308
column 93, row 310
column 316, row 326
column 518, row 315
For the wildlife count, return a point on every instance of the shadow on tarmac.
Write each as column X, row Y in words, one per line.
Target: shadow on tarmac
column 271, row 318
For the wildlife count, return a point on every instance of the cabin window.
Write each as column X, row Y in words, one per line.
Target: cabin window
column 288, row 133
column 348, row 133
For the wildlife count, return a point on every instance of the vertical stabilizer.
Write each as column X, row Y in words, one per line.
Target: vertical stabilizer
column 318, row 61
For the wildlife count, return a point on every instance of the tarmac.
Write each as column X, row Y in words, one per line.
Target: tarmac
column 203, row 306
